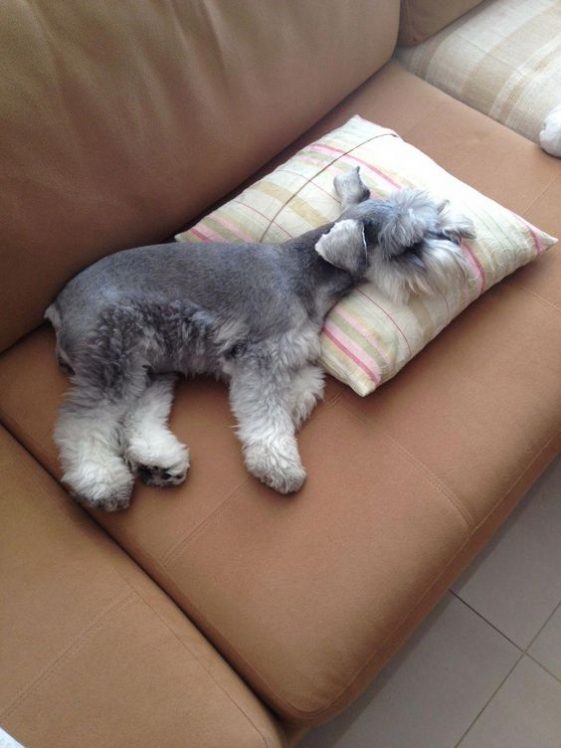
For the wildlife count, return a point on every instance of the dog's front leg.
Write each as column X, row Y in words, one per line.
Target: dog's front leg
column 150, row 448
column 306, row 390
column 261, row 399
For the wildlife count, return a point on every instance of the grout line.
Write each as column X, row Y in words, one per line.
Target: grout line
column 497, row 689
column 543, row 667
column 492, row 625
column 547, row 620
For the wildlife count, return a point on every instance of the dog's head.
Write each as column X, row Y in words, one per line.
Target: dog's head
column 418, row 248
column 407, row 244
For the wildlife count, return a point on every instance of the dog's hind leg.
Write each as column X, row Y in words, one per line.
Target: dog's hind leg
column 110, row 375
column 306, row 389
column 150, row 448
column 261, row 399
column 88, row 434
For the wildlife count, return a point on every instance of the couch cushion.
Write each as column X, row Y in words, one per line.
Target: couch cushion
column 503, row 58
column 148, row 112
column 309, row 596
column 93, row 653
column 422, row 18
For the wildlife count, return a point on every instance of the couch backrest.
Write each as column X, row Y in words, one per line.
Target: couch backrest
column 122, row 120
column 423, row 18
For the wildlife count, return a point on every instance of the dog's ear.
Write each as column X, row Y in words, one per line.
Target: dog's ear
column 344, row 246
column 350, row 188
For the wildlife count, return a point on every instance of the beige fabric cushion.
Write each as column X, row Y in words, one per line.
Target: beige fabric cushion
column 503, row 58
column 120, row 119
column 367, row 338
column 423, row 18
column 92, row 652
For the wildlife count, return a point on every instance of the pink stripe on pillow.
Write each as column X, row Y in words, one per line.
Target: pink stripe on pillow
column 232, row 227
column 362, row 330
column 533, row 233
column 205, row 234
column 474, row 261
column 388, row 315
column 353, row 351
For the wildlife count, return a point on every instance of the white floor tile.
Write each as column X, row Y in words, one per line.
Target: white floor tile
column 546, row 649
column 431, row 692
column 516, row 582
column 525, row 712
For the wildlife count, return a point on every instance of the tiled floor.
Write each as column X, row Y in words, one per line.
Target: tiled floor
column 484, row 670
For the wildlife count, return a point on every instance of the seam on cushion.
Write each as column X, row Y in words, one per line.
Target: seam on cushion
column 17, row 700
column 434, row 479
column 175, row 551
column 38, row 454
column 465, row 513
column 406, row 16
column 428, row 116
column 172, row 553
column 311, row 715
column 426, row 593
column 536, row 199
column 126, row 599
column 185, row 646
column 73, row 647
column 320, row 171
column 307, row 715
column 544, row 302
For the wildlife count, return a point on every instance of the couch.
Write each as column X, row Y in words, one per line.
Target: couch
column 218, row 613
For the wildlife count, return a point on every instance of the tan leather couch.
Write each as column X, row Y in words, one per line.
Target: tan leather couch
column 218, row 613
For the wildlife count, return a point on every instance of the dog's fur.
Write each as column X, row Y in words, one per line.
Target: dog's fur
column 249, row 313
column 550, row 134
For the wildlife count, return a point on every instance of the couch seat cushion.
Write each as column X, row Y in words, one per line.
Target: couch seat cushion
column 503, row 58
column 309, row 596
column 93, row 652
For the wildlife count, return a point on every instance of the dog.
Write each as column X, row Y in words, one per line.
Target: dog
column 550, row 134
column 247, row 313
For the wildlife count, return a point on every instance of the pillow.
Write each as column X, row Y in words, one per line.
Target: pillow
column 367, row 338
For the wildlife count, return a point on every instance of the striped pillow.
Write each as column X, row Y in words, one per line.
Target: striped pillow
column 503, row 58
column 367, row 339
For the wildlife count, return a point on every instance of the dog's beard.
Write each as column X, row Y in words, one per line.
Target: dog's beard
column 420, row 253
column 434, row 267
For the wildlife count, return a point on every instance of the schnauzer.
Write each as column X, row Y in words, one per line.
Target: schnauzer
column 248, row 313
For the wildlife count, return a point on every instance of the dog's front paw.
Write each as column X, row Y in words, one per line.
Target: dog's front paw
column 306, row 391
column 105, row 486
column 163, row 462
column 276, row 465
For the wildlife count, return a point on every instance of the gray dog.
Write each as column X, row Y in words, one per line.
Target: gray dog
column 249, row 313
